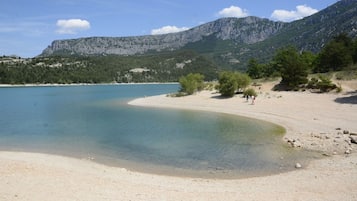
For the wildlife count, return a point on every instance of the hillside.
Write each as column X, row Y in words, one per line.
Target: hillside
column 245, row 30
column 229, row 42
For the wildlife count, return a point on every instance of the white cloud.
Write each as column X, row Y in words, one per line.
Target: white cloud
column 233, row 11
column 287, row 16
column 72, row 26
column 168, row 29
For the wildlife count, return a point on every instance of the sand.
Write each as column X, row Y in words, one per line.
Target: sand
column 312, row 121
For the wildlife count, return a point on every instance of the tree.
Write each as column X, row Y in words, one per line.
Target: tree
column 255, row 70
column 243, row 80
column 309, row 58
column 336, row 55
column 292, row 68
column 230, row 82
column 227, row 84
column 354, row 51
column 250, row 92
column 191, row 83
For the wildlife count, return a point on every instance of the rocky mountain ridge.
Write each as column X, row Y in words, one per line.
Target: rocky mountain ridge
column 229, row 42
column 247, row 30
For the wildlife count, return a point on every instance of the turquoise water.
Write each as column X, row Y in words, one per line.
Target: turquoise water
column 96, row 122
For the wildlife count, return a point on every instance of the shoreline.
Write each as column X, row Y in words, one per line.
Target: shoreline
column 80, row 84
column 312, row 121
column 33, row 176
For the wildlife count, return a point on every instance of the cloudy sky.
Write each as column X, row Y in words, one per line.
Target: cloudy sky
column 27, row 27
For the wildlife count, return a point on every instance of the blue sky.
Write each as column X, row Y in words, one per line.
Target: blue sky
column 28, row 27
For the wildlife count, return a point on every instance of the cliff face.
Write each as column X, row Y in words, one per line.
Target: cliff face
column 244, row 30
column 227, row 39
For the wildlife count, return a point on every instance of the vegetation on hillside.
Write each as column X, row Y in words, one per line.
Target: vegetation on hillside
column 105, row 69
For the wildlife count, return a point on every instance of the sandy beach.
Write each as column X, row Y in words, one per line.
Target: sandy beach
column 321, row 122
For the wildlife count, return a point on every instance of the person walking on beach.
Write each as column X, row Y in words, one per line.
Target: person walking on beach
column 253, row 99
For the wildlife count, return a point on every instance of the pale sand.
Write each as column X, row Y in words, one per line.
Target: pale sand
column 307, row 117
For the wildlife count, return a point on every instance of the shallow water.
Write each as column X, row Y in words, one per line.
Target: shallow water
column 96, row 122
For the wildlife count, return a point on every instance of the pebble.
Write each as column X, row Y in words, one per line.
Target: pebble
column 348, row 151
column 298, row 165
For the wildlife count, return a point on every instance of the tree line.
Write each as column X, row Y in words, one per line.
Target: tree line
column 166, row 67
column 293, row 66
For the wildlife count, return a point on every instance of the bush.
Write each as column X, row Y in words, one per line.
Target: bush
column 325, row 84
column 227, row 84
column 322, row 83
column 230, row 82
column 250, row 92
column 191, row 83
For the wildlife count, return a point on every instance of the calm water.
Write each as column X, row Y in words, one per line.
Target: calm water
column 96, row 122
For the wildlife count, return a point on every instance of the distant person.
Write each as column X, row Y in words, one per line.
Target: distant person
column 253, row 99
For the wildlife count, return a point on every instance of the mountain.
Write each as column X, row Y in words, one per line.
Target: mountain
column 229, row 42
column 245, row 30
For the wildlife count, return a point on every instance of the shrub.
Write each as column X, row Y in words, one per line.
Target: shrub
column 191, row 83
column 227, row 84
column 325, row 84
column 250, row 92
column 322, row 83
column 230, row 82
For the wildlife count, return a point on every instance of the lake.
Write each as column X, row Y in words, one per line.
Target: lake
column 95, row 122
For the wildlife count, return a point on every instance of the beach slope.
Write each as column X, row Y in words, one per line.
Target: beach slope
column 322, row 122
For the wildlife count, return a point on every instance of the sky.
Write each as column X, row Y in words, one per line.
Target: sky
column 28, row 26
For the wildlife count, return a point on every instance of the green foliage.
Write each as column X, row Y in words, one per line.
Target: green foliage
column 227, row 84
column 191, row 83
column 167, row 67
column 254, row 69
column 230, row 82
column 322, row 83
column 243, row 80
column 250, row 92
column 354, row 51
column 292, row 67
column 339, row 54
column 309, row 59
column 336, row 55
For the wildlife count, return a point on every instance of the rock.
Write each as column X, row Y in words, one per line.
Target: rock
column 353, row 134
column 353, row 139
column 346, row 132
column 348, row 151
column 298, row 166
column 296, row 143
column 338, row 129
